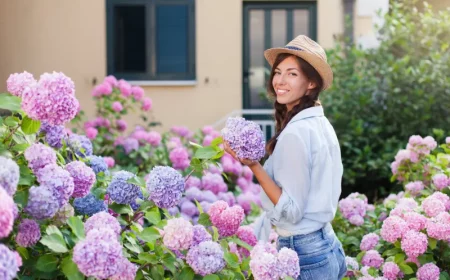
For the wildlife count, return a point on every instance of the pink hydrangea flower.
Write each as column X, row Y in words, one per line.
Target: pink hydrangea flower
column 414, row 243
column 102, row 220
column 372, row 258
column 428, row 271
column 6, row 213
column 109, row 161
column 117, row 106
column 179, row 158
column 146, row 104
column 137, row 92
column 17, row 83
column 102, row 89
column 226, row 219
column 369, row 241
column 127, row 270
column 153, row 138
column 214, row 183
column 432, row 206
column 246, row 234
column 439, row 226
column 415, row 221
column 91, row 132
column 393, row 228
column 391, row 270
column 178, row 234
column 125, row 88
column 414, row 187
column 440, row 181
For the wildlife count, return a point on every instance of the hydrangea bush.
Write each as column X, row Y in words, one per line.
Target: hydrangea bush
column 67, row 211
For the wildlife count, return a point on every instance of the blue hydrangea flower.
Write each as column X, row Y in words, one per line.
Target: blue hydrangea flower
column 42, row 204
column 80, row 144
column 120, row 191
column 98, row 164
column 54, row 134
column 9, row 175
column 135, row 205
column 245, row 138
column 165, row 185
column 89, row 205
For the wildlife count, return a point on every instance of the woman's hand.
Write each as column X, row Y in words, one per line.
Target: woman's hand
column 247, row 162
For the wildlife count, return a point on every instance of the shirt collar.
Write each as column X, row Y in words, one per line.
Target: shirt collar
column 316, row 111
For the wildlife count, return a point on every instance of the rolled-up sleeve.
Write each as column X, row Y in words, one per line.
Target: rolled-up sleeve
column 292, row 173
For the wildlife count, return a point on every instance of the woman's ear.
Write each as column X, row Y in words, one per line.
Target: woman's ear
column 311, row 85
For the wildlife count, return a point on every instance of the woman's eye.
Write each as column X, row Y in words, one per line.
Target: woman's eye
column 293, row 74
column 277, row 73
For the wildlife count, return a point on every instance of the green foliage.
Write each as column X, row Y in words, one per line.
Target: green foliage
column 380, row 97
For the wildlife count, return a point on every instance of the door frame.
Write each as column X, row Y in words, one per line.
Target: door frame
column 311, row 6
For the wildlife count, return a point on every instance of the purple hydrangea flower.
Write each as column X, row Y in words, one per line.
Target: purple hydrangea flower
column 29, row 233
column 245, row 138
column 9, row 175
column 89, row 205
column 98, row 164
column 58, row 180
column 102, row 220
column 54, row 134
column 120, row 191
column 189, row 208
column 80, row 144
column 214, row 182
column 179, row 158
column 6, row 213
column 39, row 155
column 200, row 235
column 127, row 270
column 8, row 263
column 206, row 258
column 265, row 267
column 288, row 263
column 130, row 144
column 42, row 204
column 18, row 82
column 99, row 255
column 165, row 186
column 83, row 178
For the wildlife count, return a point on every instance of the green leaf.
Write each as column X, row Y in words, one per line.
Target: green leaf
column 204, row 220
column 55, row 243
column 20, row 147
column 153, row 216
column 399, row 258
column 231, row 259
column 11, row 121
column 199, row 206
column 157, row 272
column 149, row 258
column 211, row 277
column 134, row 248
column 47, row 263
column 30, row 126
column 406, row 269
column 70, row 269
column 215, row 234
column 195, row 145
column 149, row 234
column 169, row 261
column 121, row 208
column 136, row 180
column 23, row 252
column 77, row 226
column 9, row 102
column 205, row 153
column 444, row 276
column 216, row 141
column 187, row 273
column 51, row 229
column 242, row 243
column 360, row 256
column 432, row 243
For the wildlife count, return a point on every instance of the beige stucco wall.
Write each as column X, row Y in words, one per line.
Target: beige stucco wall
column 70, row 36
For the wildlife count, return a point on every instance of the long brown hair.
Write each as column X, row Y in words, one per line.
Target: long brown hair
column 309, row 99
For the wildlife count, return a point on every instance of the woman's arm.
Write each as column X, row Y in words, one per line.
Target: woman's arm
column 272, row 190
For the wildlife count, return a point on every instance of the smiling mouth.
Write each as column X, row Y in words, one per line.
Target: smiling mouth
column 281, row 91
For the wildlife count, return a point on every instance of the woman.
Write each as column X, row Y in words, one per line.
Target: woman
column 302, row 177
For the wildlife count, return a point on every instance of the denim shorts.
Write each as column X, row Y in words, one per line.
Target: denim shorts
column 320, row 253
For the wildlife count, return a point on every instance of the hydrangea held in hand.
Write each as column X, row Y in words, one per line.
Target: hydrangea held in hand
column 58, row 180
column 42, row 204
column 9, row 175
column 120, row 191
column 83, row 178
column 18, row 82
column 165, row 185
column 9, row 265
column 99, row 255
column 206, row 258
column 29, row 233
column 245, row 138
column 89, row 205
column 6, row 213
column 226, row 219
column 178, row 234
column 102, row 220
column 39, row 155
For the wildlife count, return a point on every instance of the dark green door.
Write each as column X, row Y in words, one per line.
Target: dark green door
column 267, row 25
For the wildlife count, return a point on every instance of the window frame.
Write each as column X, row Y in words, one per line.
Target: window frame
column 150, row 33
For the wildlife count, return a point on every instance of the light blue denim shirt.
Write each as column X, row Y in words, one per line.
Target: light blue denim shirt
column 306, row 164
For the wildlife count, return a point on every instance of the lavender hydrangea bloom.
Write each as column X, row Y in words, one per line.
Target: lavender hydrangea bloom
column 42, row 204
column 102, row 220
column 58, row 180
column 9, row 175
column 38, row 155
column 130, row 144
column 245, row 138
column 189, row 208
column 98, row 164
column 206, row 258
column 54, row 134
column 288, row 263
column 89, row 205
column 8, row 263
column 83, row 178
column 29, row 233
column 80, row 144
column 99, row 255
column 200, row 235
column 120, row 191
column 165, row 186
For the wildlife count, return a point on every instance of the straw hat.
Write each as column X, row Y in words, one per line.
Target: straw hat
column 304, row 47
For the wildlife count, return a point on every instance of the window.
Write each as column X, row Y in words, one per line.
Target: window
column 151, row 40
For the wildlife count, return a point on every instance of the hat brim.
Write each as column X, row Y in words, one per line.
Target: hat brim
column 319, row 64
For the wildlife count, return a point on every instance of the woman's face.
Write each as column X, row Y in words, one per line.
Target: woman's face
column 289, row 83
